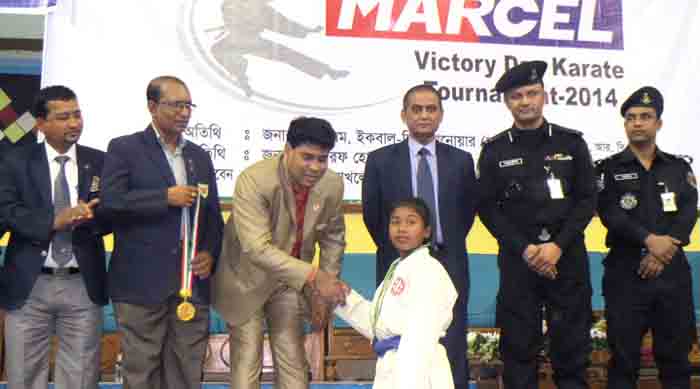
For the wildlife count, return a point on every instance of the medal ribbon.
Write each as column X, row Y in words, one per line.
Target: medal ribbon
column 189, row 251
column 380, row 300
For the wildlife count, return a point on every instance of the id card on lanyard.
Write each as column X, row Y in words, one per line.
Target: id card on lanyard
column 556, row 191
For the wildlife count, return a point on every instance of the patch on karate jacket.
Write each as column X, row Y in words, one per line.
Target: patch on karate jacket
column 398, row 286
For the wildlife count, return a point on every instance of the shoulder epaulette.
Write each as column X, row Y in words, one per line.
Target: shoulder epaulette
column 567, row 130
column 686, row 158
column 679, row 157
column 500, row 135
column 603, row 161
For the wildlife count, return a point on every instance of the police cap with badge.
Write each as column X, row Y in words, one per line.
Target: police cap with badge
column 525, row 73
column 647, row 96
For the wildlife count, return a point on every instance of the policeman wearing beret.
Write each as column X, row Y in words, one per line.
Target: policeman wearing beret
column 538, row 196
column 648, row 202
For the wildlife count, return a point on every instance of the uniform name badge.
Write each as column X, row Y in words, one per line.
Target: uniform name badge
column 556, row 192
column 668, row 199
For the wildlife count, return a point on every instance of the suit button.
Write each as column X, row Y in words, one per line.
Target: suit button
column 44, row 253
column 174, row 251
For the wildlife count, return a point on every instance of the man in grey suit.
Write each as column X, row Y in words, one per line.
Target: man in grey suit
column 54, row 272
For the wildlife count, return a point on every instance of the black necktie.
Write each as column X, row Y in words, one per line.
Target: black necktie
column 424, row 184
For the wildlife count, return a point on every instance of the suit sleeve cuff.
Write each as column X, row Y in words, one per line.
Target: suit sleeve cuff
column 564, row 239
column 679, row 233
column 312, row 276
column 641, row 233
column 301, row 275
column 519, row 245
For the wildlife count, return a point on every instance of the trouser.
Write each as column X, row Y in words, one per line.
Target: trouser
column 57, row 305
column 455, row 339
column 566, row 301
column 633, row 306
column 159, row 350
column 284, row 315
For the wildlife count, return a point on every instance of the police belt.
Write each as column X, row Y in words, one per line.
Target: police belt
column 380, row 347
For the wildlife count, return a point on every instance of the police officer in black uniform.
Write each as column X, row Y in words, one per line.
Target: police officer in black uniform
column 538, row 196
column 648, row 201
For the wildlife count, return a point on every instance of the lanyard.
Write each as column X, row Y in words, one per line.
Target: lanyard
column 380, row 299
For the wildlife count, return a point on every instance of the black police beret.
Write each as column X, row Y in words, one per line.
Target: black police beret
column 525, row 73
column 647, row 96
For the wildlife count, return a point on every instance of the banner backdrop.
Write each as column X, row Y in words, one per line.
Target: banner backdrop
column 253, row 65
column 31, row 7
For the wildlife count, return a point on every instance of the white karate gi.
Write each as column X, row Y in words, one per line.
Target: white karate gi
column 417, row 306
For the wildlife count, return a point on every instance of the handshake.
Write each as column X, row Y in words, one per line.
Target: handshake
column 324, row 293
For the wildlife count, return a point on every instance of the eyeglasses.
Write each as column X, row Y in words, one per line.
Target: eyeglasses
column 179, row 105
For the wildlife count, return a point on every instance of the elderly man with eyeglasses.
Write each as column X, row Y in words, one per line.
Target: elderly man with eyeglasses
column 158, row 189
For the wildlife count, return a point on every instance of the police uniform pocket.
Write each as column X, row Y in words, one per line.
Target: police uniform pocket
column 628, row 188
column 563, row 168
column 514, row 175
column 627, row 185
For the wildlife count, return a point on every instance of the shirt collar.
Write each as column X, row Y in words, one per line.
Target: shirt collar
column 51, row 153
column 180, row 140
column 414, row 147
column 627, row 155
column 544, row 129
column 420, row 250
column 662, row 155
column 300, row 190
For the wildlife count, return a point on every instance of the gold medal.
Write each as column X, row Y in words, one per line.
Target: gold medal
column 186, row 311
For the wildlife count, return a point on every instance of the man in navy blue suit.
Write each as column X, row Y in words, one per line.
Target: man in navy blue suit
column 150, row 183
column 54, row 273
column 444, row 177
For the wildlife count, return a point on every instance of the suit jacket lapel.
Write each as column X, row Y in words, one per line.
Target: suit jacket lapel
column 155, row 152
column 311, row 213
column 443, row 168
column 86, row 173
column 190, row 164
column 39, row 171
column 403, row 170
column 288, row 193
column 191, row 171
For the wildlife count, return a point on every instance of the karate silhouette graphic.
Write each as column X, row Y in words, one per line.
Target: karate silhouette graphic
column 244, row 22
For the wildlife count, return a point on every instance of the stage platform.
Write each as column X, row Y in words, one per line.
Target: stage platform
column 220, row 385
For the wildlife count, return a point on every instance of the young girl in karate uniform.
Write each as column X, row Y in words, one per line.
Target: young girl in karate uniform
column 411, row 308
